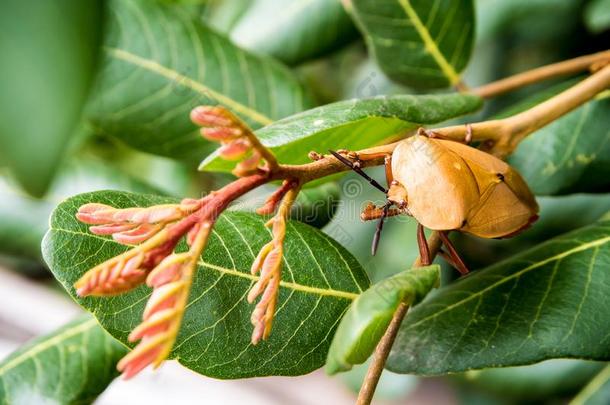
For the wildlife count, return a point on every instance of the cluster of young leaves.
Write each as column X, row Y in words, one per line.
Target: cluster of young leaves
column 143, row 93
column 160, row 60
column 215, row 337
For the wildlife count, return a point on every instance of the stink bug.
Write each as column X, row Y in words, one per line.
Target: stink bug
column 447, row 185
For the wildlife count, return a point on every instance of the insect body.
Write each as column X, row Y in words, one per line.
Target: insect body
column 446, row 185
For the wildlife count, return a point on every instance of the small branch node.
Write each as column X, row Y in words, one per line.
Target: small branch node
column 315, row 156
column 274, row 199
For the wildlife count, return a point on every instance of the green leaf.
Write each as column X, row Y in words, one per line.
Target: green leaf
column 597, row 15
column 70, row 366
column 316, row 206
column 548, row 302
column 48, row 57
column 540, row 381
column 531, row 23
column 597, row 392
column 24, row 219
column 352, row 124
column 320, row 279
column 370, row 314
column 571, row 154
column 293, row 31
column 420, row 43
column 160, row 63
column 223, row 15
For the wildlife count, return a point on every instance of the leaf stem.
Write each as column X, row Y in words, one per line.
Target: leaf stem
column 365, row 396
column 367, row 390
column 266, row 154
column 505, row 134
column 563, row 68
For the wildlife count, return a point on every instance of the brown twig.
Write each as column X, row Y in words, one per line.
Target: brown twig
column 195, row 218
column 563, row 68
column 365, row 396
column 266, row 154
column 505, row 134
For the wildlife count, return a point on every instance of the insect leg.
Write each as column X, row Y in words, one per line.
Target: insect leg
column 455, row 257
column 371, row 212
column 424, row 249
column 389, row 176
column 358, row 170
column 379, row 228
column 447, row 258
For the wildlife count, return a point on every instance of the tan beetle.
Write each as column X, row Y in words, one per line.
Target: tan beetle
column 447, row 185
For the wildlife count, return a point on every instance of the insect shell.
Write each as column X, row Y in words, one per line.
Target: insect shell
column 446, row 185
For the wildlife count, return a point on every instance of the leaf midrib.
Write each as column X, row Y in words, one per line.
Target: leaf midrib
column 329, row 292
column 293, row 286
column 429, row 43
column 47, row 344
column 182, row 80
column 583, row 247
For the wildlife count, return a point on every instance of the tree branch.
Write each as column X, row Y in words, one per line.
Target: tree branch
column 365, row 396
column 505, row 134
column 563, row 68
column 155, row 253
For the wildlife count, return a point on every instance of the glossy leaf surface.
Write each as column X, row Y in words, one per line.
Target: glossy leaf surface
column 160, row 62
column 293, row 30
column 571, row 154
column 370, row 314
column 547, row 302
column 320, row 279
column 420, row 43
column 70, row 366
column 353, row 124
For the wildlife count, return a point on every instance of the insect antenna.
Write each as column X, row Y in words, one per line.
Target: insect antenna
column 379, row 187
column 358, row 170
column 377, row 236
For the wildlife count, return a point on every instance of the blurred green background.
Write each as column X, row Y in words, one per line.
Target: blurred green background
column 50, row 56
